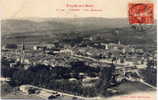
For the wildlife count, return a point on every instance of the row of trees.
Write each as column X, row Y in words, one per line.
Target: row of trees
column 58, row 78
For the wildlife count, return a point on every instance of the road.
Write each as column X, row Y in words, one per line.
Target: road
column 125, row 88
column 107, row 61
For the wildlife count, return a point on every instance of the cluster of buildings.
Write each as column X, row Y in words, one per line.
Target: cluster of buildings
column 49, row 54
column 94, row 55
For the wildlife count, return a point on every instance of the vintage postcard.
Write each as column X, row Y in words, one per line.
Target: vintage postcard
column 78, row 49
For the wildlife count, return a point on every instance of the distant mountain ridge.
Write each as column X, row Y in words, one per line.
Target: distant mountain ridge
column 60, row 24
column 16, row 30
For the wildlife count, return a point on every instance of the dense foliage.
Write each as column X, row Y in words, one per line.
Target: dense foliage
column 56, row 78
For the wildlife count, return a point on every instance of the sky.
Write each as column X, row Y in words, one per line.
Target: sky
column 52, row 8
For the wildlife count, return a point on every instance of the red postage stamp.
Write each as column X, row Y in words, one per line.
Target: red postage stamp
column 141, row 13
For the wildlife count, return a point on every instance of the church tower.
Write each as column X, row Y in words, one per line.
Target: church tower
column 22, row 53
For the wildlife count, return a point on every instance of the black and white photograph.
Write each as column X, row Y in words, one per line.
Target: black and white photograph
column 79, row 58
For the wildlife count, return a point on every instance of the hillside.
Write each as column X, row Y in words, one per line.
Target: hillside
column 33, row 29
column 55, row 24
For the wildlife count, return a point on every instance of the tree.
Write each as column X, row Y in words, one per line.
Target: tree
column 105, row 78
